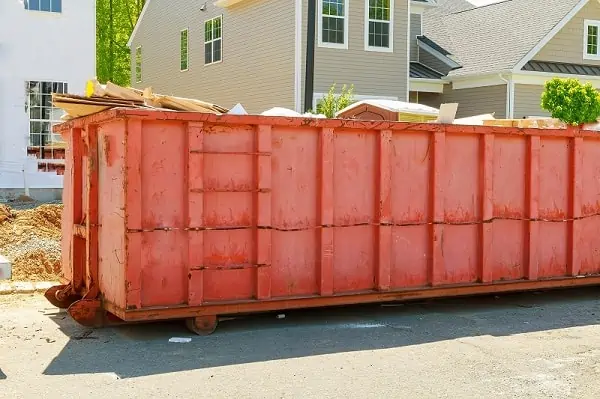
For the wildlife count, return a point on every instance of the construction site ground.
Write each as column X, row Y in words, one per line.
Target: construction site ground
column 30, row 238
column 534, row 345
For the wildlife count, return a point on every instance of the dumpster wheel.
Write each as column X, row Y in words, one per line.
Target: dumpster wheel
column 202, row 325
column 60, row 296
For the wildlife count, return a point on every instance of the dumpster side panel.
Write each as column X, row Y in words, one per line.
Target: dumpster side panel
column 587, row 241
column 111, row 212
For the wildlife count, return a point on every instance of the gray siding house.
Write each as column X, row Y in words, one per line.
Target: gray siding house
column 497, row 58
column 254, row 51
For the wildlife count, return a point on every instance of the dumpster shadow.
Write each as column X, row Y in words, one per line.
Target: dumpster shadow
column 143, row 349
column 2, row 375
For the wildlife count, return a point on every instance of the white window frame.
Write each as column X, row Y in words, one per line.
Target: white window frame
column 321, row 43
column 588, row 23
column 187, row 50
column 212, row 40
column 389, row 49
column 138, row 65
column 51, row 120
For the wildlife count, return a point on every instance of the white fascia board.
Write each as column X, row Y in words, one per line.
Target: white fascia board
column 427, row 85
column 540, row 78
column 138, row 22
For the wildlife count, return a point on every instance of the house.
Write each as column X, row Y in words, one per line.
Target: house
column 254, row 51
column 496, row 58
column 45, row 46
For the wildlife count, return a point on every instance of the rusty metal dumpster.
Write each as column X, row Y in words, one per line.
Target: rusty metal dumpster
column 195, row 216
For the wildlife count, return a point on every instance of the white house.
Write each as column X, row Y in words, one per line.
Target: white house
column 45, row 46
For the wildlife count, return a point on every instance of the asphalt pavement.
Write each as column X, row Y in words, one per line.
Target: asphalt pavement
column 534, row 345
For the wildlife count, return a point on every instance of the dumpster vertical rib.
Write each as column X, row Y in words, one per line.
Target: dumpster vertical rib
column 77, row 243
column 195, row 212
column 487, row 207
column 133, row 214
column 263, row 211
column 533, row 194
column 576, row 188
column 438, row 184
column 92, row 212
column 326, row 151
column 384, row 211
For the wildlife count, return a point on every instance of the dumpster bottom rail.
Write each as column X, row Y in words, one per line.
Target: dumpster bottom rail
column 203, row 319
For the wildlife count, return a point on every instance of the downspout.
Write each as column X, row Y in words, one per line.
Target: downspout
column 310, row 56
column 510, row 88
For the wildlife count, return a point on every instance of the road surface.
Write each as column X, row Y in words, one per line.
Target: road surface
column 544, row 345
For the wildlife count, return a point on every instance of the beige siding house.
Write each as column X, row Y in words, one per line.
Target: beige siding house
column 254, row 51
column 503, row 53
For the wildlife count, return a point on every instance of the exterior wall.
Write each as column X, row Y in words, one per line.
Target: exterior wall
column 432, row 62
column 39, row 46
column 527, row 101
column 258, row 53
column 415, row 30
column 372, row 73
column 477, row 100
column 567, row 45
column 430, row 99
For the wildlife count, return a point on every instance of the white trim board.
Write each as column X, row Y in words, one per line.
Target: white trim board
column 538, row 47
column 426, row 85
column 522, row 77
column 298, row 58
column 138, row 22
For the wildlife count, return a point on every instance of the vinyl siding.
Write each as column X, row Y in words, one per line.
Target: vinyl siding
column 432, row 62
column 527, row 101
column 258, row 53
column 568, row 44
column 372, row 73
column 415, row 30
column 477, row 101
column 430, row 99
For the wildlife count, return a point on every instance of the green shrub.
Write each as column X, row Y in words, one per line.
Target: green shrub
column 571, row 101
column 331, row 103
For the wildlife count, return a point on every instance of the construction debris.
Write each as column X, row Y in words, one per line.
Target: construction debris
column 100, row 98
column 31, row 240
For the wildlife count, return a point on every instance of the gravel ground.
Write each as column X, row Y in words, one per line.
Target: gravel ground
column 509, row 347
column 22, row 205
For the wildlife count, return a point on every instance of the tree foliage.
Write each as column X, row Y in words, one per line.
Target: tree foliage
column 115, row 20
column 332, row 103
column 571, row 101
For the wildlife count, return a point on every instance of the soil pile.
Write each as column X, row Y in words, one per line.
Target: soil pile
column 31, row 240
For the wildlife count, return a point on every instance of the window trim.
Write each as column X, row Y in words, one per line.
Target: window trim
column 320, row 41
column 210, row 41
column 187, row 50
column 138, row 48
column 389, row 49
column 586, row 24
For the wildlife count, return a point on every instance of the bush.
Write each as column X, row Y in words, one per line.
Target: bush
column 332, row 103
column 571, row 101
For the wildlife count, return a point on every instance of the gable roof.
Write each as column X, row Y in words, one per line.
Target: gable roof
column 499, row 36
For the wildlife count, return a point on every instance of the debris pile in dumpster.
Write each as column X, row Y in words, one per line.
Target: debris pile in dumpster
column 100, row 97
column 30, row 239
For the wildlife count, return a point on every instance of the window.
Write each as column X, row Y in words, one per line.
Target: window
column 379, row 28
column 42, row 116
column 183, row 50
column 333, row 20
column 138, row 64
column 213, row 40
column 591, row 33
column 43, row 5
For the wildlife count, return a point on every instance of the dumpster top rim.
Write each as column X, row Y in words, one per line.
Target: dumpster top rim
column 162, row 115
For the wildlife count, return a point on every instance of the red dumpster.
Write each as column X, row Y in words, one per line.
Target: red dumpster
column 195, row 216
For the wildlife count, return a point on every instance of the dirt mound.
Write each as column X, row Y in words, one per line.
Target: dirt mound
column 30, row 239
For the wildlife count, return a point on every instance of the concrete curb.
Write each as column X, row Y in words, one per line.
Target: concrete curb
column 24, row 287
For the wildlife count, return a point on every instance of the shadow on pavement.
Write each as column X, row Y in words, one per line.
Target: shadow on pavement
column 143, row 349
column 2, row 375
